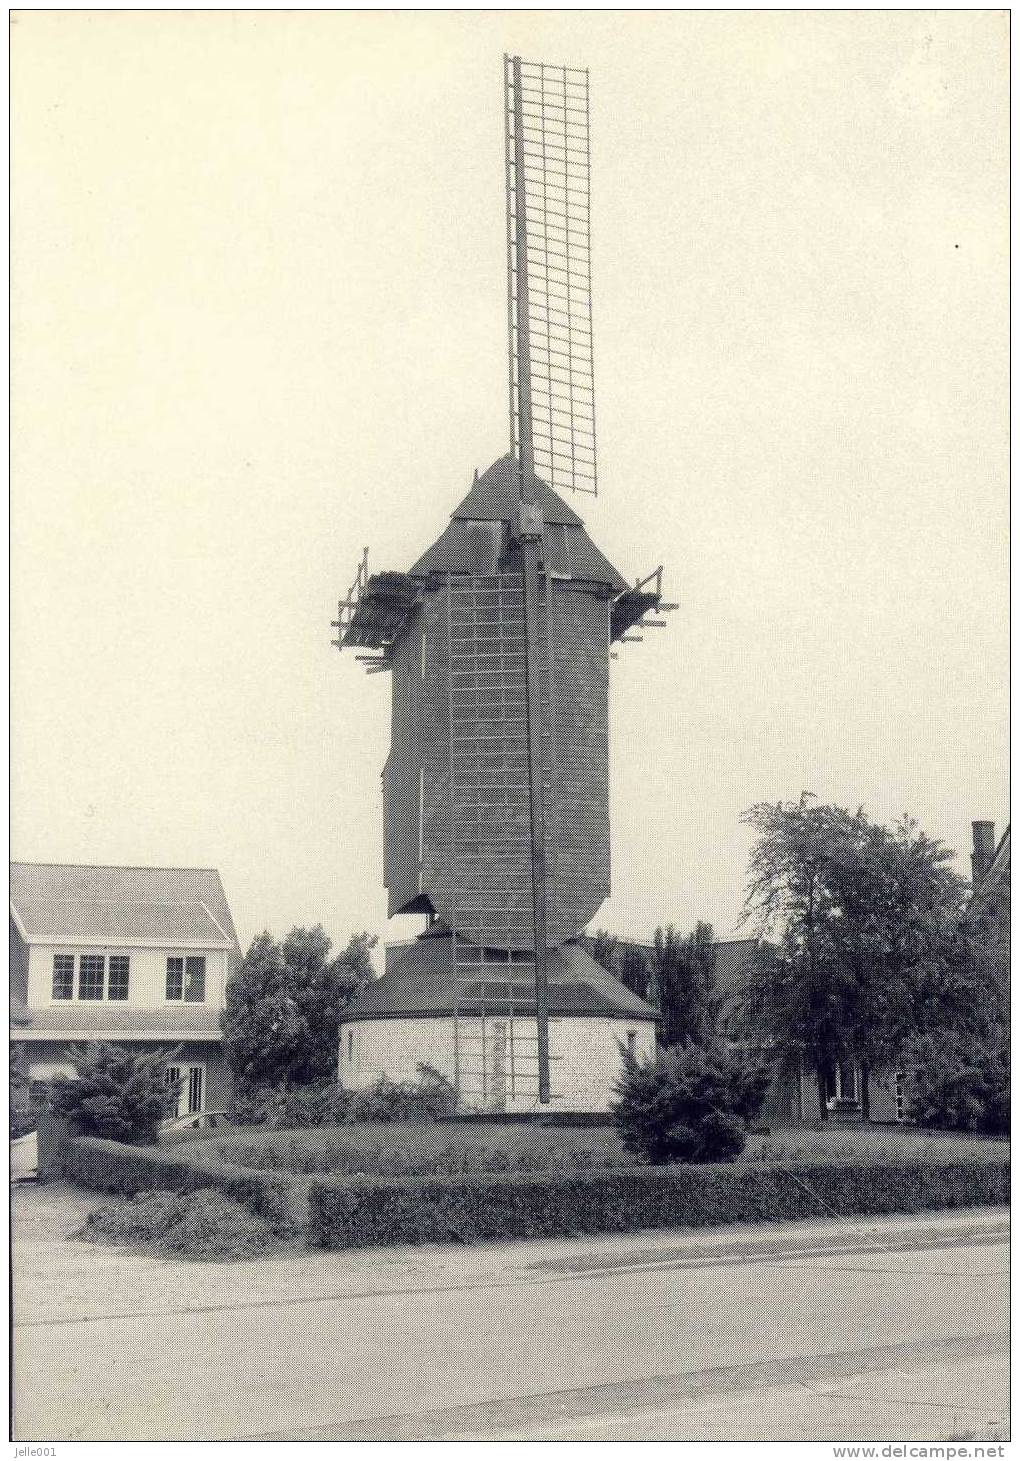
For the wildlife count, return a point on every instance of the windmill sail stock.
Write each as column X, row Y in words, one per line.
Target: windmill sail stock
column 548, row 196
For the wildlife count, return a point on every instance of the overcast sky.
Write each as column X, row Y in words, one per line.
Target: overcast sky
column 259, row 322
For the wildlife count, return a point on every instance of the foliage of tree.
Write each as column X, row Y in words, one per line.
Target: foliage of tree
column 625, row 961
column 691, row 1103
column 683, row 975
column 116, row 1093
column 960, row 1082
column 633, row 971
column 859, row 928
column 281, row 1019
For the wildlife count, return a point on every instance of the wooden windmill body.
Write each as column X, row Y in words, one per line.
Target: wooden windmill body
column 495, row 790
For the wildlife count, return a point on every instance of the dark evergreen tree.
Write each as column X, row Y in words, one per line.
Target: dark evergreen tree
column 683, row 977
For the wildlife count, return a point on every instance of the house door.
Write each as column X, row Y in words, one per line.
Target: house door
column 190, row 1082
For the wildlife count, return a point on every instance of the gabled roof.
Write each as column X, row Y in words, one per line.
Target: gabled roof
column 421, row 982
column 66, row 903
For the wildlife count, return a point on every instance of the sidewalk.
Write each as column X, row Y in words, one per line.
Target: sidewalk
column 59, row 1281
column 892, row 1327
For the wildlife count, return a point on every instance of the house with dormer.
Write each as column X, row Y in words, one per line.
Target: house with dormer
column 138, row 956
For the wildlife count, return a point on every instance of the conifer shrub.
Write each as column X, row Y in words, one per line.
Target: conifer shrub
column 961, row 1082
column 688, row 1104
column 116, row 1093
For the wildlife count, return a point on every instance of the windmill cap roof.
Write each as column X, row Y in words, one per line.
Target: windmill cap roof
column 495, row 496
column 421, row 981
column 476, row 538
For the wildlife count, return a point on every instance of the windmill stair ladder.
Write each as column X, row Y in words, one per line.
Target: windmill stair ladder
column 495, row 1025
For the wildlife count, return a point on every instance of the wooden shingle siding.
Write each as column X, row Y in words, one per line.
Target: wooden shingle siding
column 403, row 766
column 491, row 891
column 580, row 841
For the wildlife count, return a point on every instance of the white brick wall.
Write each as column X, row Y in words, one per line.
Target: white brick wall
column 584, row 1055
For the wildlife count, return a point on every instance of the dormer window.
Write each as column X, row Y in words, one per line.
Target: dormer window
column 120, row 972
column 91, row 976
column 185, row 978
column 63, row 976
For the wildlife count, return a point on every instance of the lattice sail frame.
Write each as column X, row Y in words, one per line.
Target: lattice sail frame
column 547, row 128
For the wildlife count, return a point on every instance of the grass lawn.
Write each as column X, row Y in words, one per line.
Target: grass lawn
column 404, row 1148
column 407, row 1148
column 871, row 1143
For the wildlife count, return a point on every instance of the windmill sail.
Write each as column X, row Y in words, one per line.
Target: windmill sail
column 548, row 194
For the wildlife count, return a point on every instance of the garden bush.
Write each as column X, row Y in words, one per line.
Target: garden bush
column 960, row 1083
column 109, row 1166
column 117, row 1093
column 430, row 1098
column 320, row 1103
column 325, row 1103
column 361, row 1212
column 688, row 1104
column 200, row 1224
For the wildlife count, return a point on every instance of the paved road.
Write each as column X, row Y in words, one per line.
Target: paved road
column 892, row 1329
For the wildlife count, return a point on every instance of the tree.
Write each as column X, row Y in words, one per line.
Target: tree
column 117, row 1093
column 625, row 961
column 683, row 976
column 281, row 1019
column 633, row 970
column 604, row 949
column 858, row 926
column 691, row 1103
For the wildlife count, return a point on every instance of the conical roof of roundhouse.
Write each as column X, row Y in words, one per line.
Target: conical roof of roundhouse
column 476, row 538
column 421, row 983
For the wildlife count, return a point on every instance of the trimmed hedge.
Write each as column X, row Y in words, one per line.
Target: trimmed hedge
column 361, row 1212
column 110, row 1166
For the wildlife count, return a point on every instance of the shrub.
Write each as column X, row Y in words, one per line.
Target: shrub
column 325, row 1103
column 688, row 1104
column 200, row 1224
column 362, row 1212
column 118, row 1094
column 108, row 1166
column 430, row 1098
column 958, row 1083
column 320, row 1103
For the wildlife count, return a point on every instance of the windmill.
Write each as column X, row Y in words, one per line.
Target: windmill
column 496, row 820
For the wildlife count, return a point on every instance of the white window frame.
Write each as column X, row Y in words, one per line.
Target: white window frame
column 84, row 999
column 184, row 957
column 70, row 999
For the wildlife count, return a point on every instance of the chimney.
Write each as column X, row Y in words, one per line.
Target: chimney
column 984, row 850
